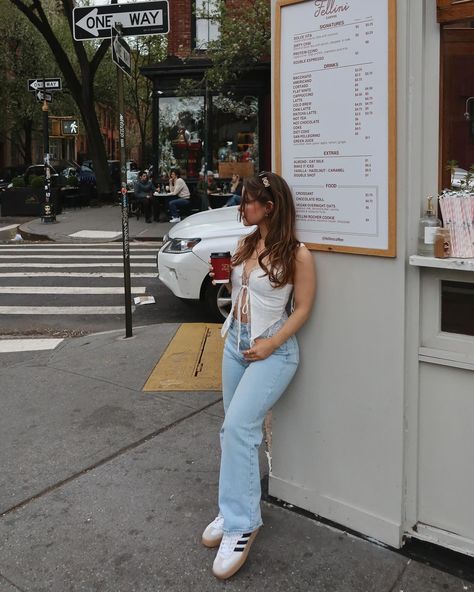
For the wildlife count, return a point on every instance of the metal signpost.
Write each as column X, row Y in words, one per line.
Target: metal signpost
column 115, row 21
column 39, row 86
column 141, row 18
column 48, row 214
column 123, row 57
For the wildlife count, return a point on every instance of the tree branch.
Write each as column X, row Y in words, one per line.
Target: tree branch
column 42, row 25
column 98, row 56
column 78, row 45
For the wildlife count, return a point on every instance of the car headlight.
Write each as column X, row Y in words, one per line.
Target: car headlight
column 181, row 245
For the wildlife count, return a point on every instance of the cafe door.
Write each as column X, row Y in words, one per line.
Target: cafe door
column 445, row 506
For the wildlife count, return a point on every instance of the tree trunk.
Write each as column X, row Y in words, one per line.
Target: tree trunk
column 96, row 149
column 28, row 130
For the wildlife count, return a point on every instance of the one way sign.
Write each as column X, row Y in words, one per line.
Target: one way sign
column 121, row 52
column 36, row 84
column 141, row 18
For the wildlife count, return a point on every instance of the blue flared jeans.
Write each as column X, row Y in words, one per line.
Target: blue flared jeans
column 250, row 389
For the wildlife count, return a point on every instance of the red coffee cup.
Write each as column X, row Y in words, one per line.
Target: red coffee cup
column 221, row 267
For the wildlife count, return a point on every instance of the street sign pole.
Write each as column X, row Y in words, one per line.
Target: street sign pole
column 47, row 214
column 123, row 179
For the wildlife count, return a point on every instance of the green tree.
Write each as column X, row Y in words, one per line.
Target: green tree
column 145, row 51
column 244, row 39
column 23, row 56
column 78, row 63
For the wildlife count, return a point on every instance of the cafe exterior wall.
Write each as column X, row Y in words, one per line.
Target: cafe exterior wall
column 345, row 433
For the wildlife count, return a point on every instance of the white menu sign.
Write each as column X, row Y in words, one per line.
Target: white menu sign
column 334, row 121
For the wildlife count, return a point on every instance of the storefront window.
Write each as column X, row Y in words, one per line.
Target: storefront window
column 457, row 101
column 181, row 135
column 457, row 308
column 235, row 136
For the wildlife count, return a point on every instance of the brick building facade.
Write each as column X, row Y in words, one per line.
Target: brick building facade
column 219, row 140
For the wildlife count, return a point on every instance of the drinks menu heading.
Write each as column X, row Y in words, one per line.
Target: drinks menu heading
column 334, row 120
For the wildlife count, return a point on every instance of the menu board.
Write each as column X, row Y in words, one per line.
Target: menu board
column 336, row 122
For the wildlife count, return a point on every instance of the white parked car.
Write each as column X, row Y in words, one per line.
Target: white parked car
column 183, row 260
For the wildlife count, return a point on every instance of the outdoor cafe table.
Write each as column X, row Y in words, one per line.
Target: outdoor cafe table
column 160, row 204
column 217, row 200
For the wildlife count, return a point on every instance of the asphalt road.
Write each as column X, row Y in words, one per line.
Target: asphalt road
column 48, row 289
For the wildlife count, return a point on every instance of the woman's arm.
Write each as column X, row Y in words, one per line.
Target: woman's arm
column 175, row 187
column 304, row 293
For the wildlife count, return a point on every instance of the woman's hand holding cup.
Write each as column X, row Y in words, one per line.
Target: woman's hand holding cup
column 220, row 267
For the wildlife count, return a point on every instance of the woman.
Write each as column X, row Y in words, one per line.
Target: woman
column 236, row 189
column 179, row 195
column 260, row 356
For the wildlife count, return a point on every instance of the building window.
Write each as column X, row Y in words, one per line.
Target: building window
column 206, row 29
column 457, row 307
column 234, row 135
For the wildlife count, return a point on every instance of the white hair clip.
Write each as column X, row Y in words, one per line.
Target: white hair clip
column 265, row 181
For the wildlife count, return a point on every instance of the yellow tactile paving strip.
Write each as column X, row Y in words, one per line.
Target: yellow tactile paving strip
column 191, row 362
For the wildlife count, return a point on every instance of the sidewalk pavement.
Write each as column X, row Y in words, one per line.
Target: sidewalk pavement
column 106, row 488
column 103, row 223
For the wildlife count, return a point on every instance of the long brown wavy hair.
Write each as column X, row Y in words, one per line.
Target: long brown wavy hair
column 281, row 242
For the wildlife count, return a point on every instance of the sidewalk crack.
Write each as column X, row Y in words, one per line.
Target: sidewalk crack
column 2, row 577
column 107, row 459
column 399, row 577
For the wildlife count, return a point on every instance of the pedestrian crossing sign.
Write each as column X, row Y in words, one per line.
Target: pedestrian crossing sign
column 70, row 127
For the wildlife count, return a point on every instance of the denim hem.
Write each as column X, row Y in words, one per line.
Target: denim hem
column 242, row 530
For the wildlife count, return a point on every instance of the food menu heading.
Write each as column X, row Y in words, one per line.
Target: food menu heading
column 333, row 120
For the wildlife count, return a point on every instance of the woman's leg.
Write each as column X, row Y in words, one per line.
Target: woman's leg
column 173, row 206
column 234, row 200
column 261, row 385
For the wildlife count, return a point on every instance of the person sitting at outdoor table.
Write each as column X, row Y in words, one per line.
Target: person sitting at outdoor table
column 201, row 192
column 180, row 190
column 211, row 184
column 143, row 190
column 236, row 190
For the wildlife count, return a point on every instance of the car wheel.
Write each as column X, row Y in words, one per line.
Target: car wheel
column 218, row 301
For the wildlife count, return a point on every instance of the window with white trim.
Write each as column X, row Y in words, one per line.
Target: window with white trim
column 206, row 29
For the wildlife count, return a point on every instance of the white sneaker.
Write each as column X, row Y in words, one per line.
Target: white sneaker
column 232, row 553
column 174, row 220
column 212, row 535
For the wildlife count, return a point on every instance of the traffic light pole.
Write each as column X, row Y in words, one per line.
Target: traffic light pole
column 124, row 202
column 47, row 214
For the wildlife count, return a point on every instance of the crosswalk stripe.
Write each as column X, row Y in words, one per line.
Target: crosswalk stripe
column 133, row 256
column 115, row 245
column 68, row 290
column 133, row 251
column 8, row 227
column 62, row 310
column 60, row 266
column 72, row 274
column 21, row 345
column 71, row 265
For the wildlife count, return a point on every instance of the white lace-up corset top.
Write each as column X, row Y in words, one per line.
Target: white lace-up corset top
column 254, row 296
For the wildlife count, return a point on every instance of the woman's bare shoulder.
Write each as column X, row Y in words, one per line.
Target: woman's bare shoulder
column 303, row 254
